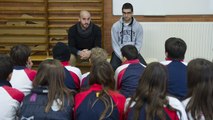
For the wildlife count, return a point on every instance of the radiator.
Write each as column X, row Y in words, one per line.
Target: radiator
column 197, row 35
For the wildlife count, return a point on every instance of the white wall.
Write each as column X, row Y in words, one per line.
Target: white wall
column 197, row 35
column 166, row 7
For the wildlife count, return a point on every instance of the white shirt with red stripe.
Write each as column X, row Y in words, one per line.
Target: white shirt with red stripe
column 74, row 72
column 22, row 79
column 10, row 100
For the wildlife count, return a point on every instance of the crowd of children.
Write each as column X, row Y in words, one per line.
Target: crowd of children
column 167, row 90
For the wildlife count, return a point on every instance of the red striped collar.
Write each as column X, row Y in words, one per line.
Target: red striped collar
column 131, row 61
column 65, row 63
column 96, row 87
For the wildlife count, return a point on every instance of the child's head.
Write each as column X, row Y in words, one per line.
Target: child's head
column 130, row 52
column 199, row 72
column 61, row 52
column 151, row 92
column 6, row 67
column 200, row 82
column 102, row 74
column 20, row 55
column 50, row 73
column 154, row 80
column 175, row 48
column 98, row 55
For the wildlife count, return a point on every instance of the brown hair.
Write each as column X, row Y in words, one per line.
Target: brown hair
column 98, row 55
column 151, row 91
column 20, row 54
column 103, row 74
column 200, row 82
column 51, row 73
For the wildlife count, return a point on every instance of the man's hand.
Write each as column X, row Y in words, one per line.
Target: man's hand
column 84, row 54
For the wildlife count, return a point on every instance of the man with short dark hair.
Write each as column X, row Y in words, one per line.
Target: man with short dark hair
column 126, row 31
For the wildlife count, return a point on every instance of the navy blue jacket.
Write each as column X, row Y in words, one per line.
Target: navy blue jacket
column 88, row 106
column 170, row 114
column 34, row 107
column 127, row 77
column 177, row 75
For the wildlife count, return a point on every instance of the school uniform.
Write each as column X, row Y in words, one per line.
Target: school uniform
column 177, row 75
column 177, row 114
column 22, row 78
column 185, row 103
column 127, row 77
column 73, row 76
column 34, row 104
column 85, row 80
column 88, row 106
column 11, row 99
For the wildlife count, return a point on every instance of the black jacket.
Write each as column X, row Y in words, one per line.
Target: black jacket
column 78, row 42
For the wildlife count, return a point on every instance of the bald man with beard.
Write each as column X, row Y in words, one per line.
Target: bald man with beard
column 82, row 37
